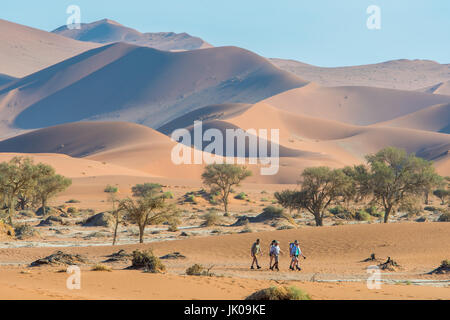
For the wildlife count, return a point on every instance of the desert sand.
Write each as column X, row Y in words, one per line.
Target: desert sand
column 332, row 253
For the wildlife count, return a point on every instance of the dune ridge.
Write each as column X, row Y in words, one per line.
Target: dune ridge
column 109, row 31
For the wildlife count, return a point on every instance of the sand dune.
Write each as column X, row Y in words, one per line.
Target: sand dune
column 139, row 84
column 355, row 105
column 434, row 118
column 4, row 79
column 108, row 31
column 25, row 50
column 125, row 145
column 440, row 88
column 76, row 167
column 396, row 74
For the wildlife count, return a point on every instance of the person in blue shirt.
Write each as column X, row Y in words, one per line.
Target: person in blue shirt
column 295, row 252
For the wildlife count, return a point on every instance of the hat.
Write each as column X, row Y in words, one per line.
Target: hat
column 296, row 242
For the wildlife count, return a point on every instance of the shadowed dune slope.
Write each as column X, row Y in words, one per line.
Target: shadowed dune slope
column 108, row 31
column 122, row 82
column 435, row 118
column 4, row 79
column 25, row 50
column 82, row 138
column 355, row 105
column 440, row 88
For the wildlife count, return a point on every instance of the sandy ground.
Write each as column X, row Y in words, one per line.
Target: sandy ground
column 332, row 253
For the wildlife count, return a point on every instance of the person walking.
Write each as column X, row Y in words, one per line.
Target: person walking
column 295, row 252
column 255, row 252
column 272, row 244
column 276, row 253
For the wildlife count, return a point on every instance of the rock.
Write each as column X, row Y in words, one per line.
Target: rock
column 174, row 255
column 422, row 219
column 102, row 219
column 59, row 258
column 48, row 211
column 51, row 221
column 118, row 256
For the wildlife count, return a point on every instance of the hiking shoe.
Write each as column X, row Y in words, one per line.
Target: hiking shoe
column 258, row 267
column 299, row 269
column 291, row 268
column 252, row 267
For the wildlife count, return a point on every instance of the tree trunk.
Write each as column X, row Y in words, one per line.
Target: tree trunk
column 141, row 234
column 43, row 208
column 116, row 226
column 427, row 194
column 387, row 212
column 225, row 205
column 11, row 210
column 318, row 218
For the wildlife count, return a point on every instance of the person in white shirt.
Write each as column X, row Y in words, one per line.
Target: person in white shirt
column 275, row 251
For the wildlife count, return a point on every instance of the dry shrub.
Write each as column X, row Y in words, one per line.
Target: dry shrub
column 279, row 293
column 199, row 270
column 148, row 261
column 101, row 267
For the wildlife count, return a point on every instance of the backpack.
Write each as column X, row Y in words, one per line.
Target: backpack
column 292, row 249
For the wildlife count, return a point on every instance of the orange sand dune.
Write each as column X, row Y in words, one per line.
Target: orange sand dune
column 342, row 143
column 355, row 105
column 25, row 50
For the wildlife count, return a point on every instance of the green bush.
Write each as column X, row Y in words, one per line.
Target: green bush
column 241, row 196
column 191, row 198
column 168, row 195
column 362, row 215
column 279, row 293
column 73, row 201
column 72, row 210
column 373, row 211
column 445, row 217
column 111, row 189
column 341, row 212
column 24, row 231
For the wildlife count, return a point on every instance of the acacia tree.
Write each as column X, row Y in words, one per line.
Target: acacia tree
column 396, row 175
column 112, row 197
column 48, row 184
column 146, row 189
column 148, row 210
column 321, row 186
column 286, row 199
column 442, row 194
column 223, row 177
column 360, row 180
column 17, row 176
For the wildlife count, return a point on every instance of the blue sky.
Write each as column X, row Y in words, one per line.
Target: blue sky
column 320, row 32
